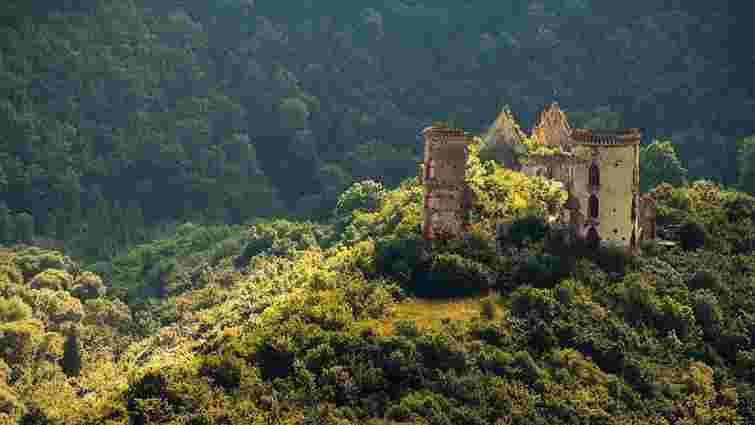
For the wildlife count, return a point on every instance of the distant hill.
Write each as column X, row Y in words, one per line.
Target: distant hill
column 227, row 110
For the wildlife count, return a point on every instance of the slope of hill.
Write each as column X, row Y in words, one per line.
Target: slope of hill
column 291, row 322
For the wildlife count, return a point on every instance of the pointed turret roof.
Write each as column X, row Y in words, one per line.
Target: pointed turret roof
column 553, row 128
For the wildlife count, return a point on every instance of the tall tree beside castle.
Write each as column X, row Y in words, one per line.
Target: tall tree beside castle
column 71, row 362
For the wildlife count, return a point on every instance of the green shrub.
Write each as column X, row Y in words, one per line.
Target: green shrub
column 225, row 370
column 746, row 364
column 613, row 258
column 739, row 206
column 32, row 261
column 526, row 301
column 274, row 356
column 434, row 407
column 277, row 237
column 675, row 316
column 541, row 270
column 527, row 366
column 406, row 328
column 708, row 312
column 399, row 258
column 650, row 248
column 87, row 286
column 365, row 196
column 692, row 236
column 705, row 279
column 526, row 230
column 13, row 309
column 454, row 275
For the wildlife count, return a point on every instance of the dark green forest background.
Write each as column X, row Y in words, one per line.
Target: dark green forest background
column 117, row 117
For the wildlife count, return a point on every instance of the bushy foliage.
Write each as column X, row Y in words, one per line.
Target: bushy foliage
column 660, row 164
column 503, row 194
column 400, row 258
column 692, row 236
column 14, row 309
column 454, row 275
column 53, row 279
column 364, row 196
column 278, row 237
column 527, row 229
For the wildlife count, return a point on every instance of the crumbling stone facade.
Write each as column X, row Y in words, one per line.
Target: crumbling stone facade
column 648, row 215
column 447, row 195
column 600, row 170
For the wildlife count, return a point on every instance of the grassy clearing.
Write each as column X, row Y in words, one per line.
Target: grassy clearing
column 430, row 313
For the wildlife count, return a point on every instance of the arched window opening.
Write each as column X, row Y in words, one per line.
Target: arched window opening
column 594, row 175
column 594, row 207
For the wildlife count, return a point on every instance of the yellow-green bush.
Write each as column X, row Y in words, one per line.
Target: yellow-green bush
column 19, row 340
column 88, row 285
column 55, row 307
column 13, row 309
column 54, row 279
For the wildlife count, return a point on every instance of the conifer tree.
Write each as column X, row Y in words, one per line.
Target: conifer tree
column 23, row 224
column 6, row 225
column 71, row 363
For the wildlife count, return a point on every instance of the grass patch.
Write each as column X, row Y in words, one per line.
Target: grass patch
column 430, row 313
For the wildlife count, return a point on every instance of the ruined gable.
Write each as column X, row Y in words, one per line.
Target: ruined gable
column 503, row 141
column 553, row 128
column 504, row 130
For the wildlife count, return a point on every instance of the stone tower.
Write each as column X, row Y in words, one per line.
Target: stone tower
column 447, row 195
column 606, row 185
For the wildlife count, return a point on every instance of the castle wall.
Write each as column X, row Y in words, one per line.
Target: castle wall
column 618, row 171
column 445, row 181
column 648, row 212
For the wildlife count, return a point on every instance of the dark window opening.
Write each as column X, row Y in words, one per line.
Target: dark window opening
column 594, row 206
column 594, row 175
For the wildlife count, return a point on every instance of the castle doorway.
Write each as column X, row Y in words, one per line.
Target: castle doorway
column 593, row 238
column 593, row 207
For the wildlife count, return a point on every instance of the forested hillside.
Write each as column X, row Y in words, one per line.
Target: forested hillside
column 290, row 322
column 116, row 116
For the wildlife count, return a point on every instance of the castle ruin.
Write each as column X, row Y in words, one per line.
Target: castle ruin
column 599, row 169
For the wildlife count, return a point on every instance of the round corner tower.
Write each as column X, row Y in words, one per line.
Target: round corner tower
column 607, row 185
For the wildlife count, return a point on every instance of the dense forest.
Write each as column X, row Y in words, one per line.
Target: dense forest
column 121, row 117
column 210, row 215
